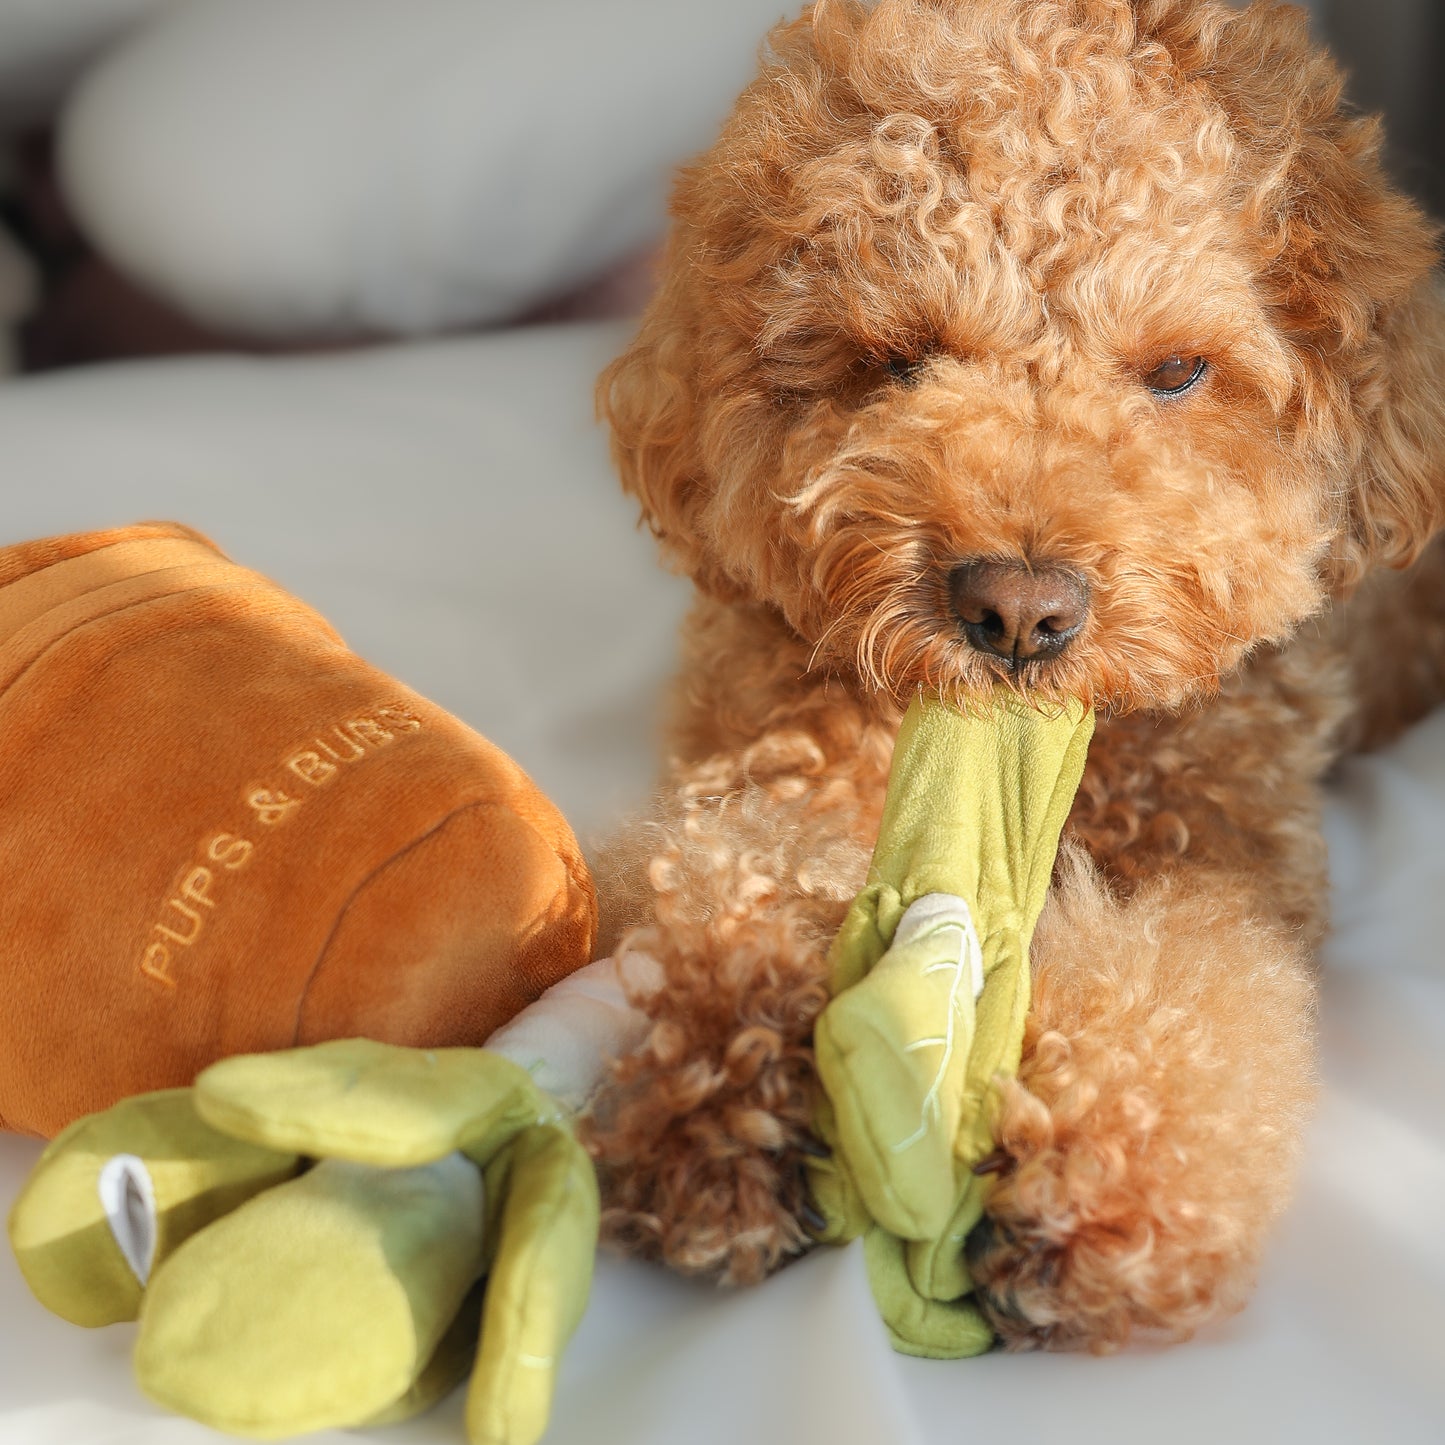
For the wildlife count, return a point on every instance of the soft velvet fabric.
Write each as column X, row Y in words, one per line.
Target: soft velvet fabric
column 222, row 832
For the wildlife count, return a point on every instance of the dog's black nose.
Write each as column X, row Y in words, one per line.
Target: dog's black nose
column 1018, row 613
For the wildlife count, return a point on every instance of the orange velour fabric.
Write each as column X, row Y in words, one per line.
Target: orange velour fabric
column 222, row 832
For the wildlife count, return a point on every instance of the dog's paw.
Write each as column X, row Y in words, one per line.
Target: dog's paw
column 701, row 1162
column 1048, row 1289
column 701, row 1132
column 1092, row 1233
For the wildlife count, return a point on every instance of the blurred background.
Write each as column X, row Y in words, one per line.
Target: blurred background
column 192, row 175
column 1395, row 53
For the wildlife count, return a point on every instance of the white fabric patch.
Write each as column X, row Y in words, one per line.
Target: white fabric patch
column 567, row 1038
column 935, row 911
column 129, row 1200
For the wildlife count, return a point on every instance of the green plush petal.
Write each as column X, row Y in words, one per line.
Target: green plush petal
column 372, row 1103
column 538, row 1285
column 976, row 802
column 831, row 1184
column 937, row 1268
column 317, row 1305
column 449, row 1366
column 951, row 1329
column 58, row 1227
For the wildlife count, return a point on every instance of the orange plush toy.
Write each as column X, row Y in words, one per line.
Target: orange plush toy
column 221, row 832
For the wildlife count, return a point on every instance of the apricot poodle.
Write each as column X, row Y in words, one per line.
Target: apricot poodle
column 1086, row 345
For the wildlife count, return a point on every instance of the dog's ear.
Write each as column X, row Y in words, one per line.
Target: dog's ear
column 1396, row 498
column 1353, row 285
column 1345, row 263
column 646, row 396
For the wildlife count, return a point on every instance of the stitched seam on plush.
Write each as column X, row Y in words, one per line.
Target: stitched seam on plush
column 68, row 581
column 6, row 688
column 361, row 887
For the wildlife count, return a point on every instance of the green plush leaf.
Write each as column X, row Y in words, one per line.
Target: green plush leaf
column 316, row 1305
column 372, row 1103
column 538, row 1286
column 893, row 1055
column 58, row 1227
column 350, row 1294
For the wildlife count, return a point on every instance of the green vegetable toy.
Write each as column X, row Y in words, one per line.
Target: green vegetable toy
column 931, row 989
column 276, row 1296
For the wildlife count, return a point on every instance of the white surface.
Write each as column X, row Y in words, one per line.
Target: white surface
column 449, row 508
column 331, row 166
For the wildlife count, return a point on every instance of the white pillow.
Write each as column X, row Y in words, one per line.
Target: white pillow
column 44, row 45
column 311, row 167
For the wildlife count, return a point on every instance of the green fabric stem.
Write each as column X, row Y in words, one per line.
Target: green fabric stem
column 925, row 1022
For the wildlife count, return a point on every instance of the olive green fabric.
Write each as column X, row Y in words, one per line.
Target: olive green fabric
column 346, row 1295
column 58, row 1228
column 545, row 1244
column 373, row 1103
column 906, row 1054
column 317, row 1304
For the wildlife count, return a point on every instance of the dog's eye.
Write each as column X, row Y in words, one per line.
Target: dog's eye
column 904, row 368
column 1174, row 374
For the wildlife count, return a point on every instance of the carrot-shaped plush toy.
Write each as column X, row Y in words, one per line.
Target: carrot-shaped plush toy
column 222, row 833
column 277, row 1295
column 930, row 973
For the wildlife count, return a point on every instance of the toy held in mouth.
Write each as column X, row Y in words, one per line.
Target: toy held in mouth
column 930, row 977
column 222, row 832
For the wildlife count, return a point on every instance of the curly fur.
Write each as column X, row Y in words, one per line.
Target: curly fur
column 909, row 300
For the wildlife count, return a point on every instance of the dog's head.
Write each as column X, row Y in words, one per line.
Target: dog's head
column 1081, row 343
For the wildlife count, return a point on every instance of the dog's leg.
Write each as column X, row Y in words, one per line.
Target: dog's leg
column 1168, row 1068
column 697, row 1137
column 1152, row 1134
column 735, row 887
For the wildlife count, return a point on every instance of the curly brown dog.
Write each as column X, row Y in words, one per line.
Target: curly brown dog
column 1078, row 343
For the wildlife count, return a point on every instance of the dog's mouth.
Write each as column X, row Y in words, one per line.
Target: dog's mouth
column 916, row 638
column 898, row 650
column 1054, row 617
column 964, row 630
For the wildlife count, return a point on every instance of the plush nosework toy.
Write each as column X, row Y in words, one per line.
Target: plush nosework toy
column 279, row 1294
column 222, row 832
